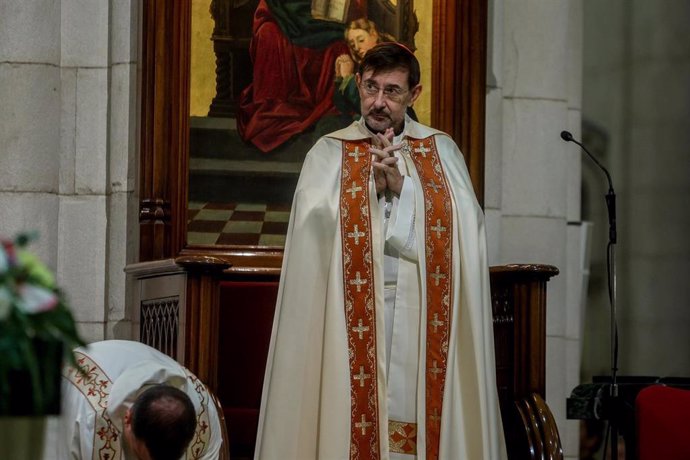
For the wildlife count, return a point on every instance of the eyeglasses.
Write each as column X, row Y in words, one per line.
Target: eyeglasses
column 392, row 93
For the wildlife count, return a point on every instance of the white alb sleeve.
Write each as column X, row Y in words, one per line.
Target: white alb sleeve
column 400, row 231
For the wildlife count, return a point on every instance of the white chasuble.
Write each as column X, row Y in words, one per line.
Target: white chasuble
column 94, row 402
column 373, row 360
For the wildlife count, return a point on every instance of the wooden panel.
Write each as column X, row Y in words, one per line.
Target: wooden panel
column 201, row 330
column 458, row 86
column 164, row 88
column 246, row 318
column 518, row 295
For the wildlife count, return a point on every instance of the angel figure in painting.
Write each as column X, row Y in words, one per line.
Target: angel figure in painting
column 361, row 35
column 293, row 55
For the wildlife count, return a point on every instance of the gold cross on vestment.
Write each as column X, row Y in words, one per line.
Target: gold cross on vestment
column 354, row 189
column 361, row 376
column 436, row 322
column 435, row 370
column 363, row 425
column 438, row 228
column 359, row 282
column 423, row 150
column 359, row 329
column 356, row 235
column 434, row 186
column 437, row 276
column 356, row 154
column 435, row 417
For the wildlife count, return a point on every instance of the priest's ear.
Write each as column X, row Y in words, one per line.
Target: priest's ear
column 414, row 94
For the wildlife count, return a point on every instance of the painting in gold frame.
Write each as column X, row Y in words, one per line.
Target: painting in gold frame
column 455, row 39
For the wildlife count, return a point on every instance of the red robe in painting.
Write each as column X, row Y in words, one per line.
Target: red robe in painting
column 292, row 85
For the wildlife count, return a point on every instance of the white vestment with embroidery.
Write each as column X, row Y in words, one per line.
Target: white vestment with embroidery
column 306, row 405
column 93, row 406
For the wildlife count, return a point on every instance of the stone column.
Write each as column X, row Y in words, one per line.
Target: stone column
column 83, row 216
column 30, row 122
column 532, row 176
column 123, row 145
column 68, row 136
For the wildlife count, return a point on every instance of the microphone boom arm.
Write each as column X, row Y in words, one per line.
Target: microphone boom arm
column 610, row 196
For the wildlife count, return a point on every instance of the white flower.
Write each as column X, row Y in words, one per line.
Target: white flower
column 36, row 299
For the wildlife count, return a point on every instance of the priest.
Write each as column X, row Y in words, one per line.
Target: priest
column 382, row 344
column 130, row 401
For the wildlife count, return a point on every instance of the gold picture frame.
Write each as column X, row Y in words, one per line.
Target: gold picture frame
column 457, row 97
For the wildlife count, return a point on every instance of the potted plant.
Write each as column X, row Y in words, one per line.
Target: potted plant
column 37, row 332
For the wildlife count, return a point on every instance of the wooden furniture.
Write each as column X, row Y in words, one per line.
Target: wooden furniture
column 227, row 324
column 543, row 440
column 518, row 297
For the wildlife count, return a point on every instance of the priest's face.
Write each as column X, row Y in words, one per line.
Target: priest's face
column 385, row 96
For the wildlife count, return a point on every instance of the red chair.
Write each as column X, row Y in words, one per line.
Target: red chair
column 663, row 423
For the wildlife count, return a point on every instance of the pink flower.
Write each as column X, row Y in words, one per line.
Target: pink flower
column 36, row 299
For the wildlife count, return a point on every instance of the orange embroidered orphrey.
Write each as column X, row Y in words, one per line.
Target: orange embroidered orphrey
column 438, row 226
column 358, row 284
column 95, row 385
column 202, row 434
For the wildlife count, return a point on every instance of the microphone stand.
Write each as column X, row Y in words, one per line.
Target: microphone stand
column 611, row 282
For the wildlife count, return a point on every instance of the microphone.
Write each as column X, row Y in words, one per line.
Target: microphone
column 610, row 196
column 611, row 270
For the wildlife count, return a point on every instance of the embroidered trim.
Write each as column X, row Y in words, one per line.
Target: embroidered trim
column 438, row 227
column 411, row 237
column 202, row 434
column 95, row 385
column 402, row 437
column 360, row 313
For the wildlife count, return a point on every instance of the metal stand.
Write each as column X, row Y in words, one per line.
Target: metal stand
column 611, row 278
column 613, row 422
column 611, row 272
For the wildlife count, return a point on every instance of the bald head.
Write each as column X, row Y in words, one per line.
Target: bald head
column 163, row 418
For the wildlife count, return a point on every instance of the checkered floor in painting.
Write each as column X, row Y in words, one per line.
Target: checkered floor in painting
column 237, row 224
